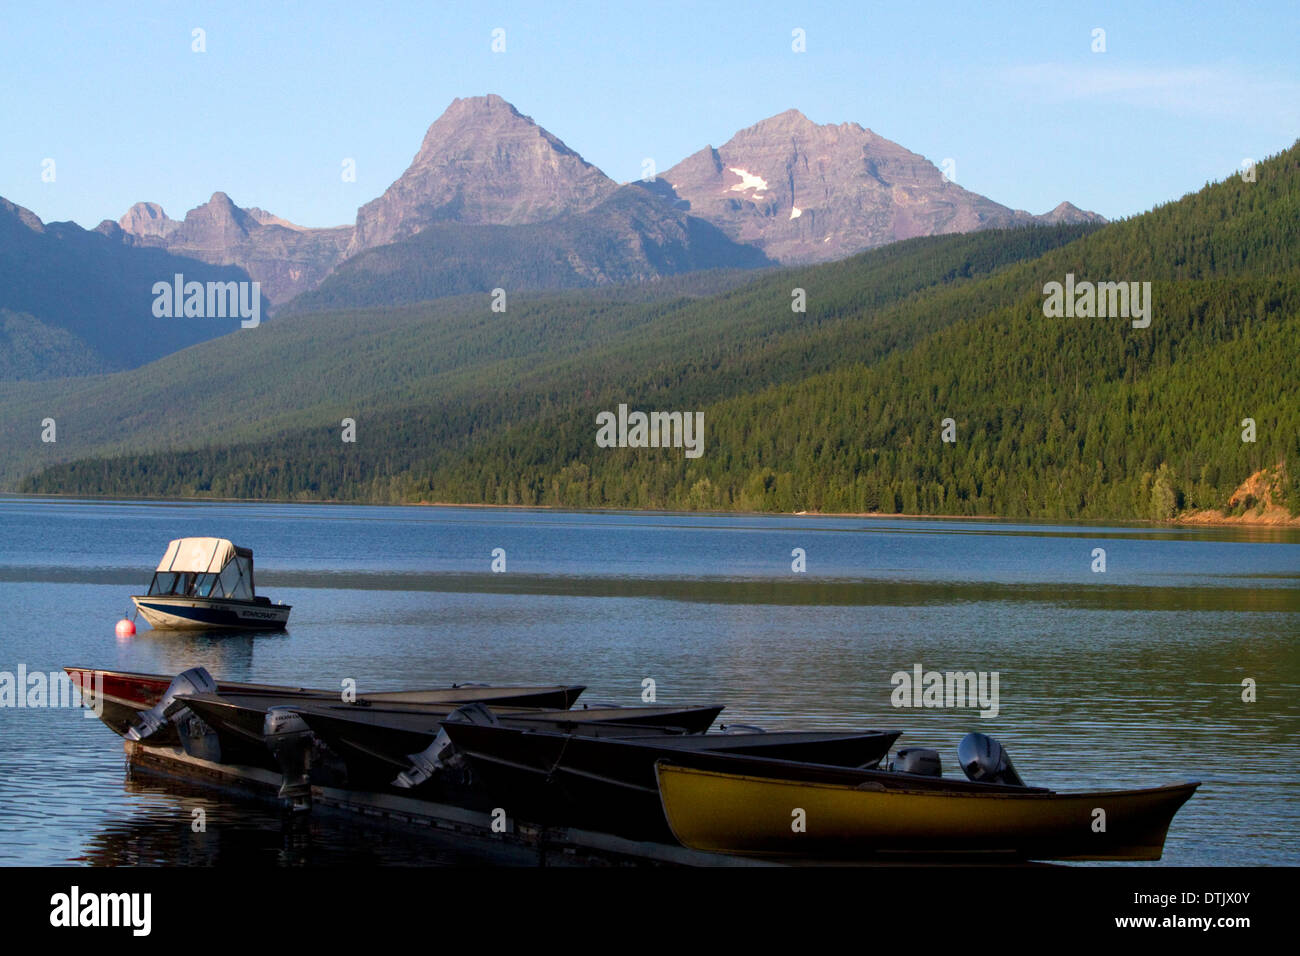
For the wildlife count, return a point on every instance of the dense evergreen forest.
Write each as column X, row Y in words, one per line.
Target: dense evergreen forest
column 844, row 407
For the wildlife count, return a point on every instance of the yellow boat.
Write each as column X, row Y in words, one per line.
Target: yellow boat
column 812, row 813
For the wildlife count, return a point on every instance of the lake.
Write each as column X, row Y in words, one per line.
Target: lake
column 1126, row 677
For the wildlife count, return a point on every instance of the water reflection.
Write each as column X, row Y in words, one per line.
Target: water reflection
column 221, row 652
column 161, row 830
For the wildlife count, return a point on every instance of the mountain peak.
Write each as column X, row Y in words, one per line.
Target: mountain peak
column 790, row 117
column 22, row 215
column 489, row 101
column 220, row 215
column 284, row 257
column 147, row 219
column 477, row 109
column 482, row 162
column 1069, row 212
column 795, row 121
column 477, row 115
column 808, row 192
column 264, row 218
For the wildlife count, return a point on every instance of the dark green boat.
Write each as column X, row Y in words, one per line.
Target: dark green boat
column 377, row 741
column 607, row 783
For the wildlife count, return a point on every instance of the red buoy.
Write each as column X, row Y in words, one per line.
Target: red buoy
column 125, row 628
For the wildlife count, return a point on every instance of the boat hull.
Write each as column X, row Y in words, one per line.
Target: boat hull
column 145, row 690
column 121, row 695
column 376, row 746
column 750, row 815
column 376, row 740
column 608, row 783
column 194, row 613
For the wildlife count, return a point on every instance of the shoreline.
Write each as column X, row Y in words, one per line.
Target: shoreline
column 1273, row 517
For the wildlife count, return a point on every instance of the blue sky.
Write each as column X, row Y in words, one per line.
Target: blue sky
column 284, row 93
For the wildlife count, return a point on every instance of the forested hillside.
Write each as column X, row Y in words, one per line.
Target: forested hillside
column 387, row 366
column 841, row 408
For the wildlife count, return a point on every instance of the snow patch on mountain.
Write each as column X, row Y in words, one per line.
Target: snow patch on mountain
column 748, row 181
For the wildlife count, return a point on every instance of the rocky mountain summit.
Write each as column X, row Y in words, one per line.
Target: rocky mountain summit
column 804, row 192
column 482, row 163
column 285, row 258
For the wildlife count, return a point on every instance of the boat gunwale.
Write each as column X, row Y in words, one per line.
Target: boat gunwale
column 773, row 736
column 177, row 598
column 541, row 714
column 998, row 791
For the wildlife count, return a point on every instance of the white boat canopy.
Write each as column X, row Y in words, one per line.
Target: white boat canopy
column 197, row 555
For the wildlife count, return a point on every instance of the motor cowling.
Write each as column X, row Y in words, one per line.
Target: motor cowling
column 986, row 761
column 197, row 738
column 740, row 729
column 435, row 757
column 291, row 743
column 196, row 680
column 917, row 760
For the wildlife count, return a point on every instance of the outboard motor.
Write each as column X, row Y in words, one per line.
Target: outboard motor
column 917, row 760
column 197, row 738
column 985, row 761
column 740, row 729
column 434, row 757
column 196, row 680
column 291, row 741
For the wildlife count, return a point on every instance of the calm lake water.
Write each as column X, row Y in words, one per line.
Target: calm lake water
column 1125, row 678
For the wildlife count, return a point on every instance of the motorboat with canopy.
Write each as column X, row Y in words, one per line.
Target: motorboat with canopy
column 206, row 583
